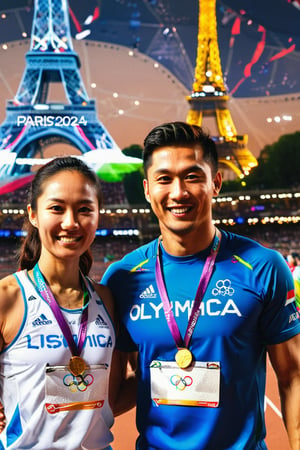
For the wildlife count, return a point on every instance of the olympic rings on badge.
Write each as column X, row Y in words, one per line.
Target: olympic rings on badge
column 79, row 382
column 181, row 382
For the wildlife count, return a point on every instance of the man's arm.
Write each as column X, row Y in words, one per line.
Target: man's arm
column 123, row 382
column 285, row 359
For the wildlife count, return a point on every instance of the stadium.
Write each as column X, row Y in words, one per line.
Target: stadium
column 123, row 67
column 155, row 46
column 270, row 217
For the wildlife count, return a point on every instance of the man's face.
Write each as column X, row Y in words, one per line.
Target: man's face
column 180, row 188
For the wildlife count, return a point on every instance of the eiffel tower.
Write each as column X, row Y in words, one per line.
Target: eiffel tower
column 209, row 96
column 30, row 119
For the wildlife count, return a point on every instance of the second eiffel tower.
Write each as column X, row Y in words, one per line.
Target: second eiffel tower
column 209, row 96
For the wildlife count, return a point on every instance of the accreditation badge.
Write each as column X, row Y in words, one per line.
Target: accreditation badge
column 197, row 385
column 66, row 391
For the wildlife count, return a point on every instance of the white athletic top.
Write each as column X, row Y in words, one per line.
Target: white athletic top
column 55, row 410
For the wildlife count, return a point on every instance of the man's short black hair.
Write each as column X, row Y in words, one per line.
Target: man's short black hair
column 180, row 134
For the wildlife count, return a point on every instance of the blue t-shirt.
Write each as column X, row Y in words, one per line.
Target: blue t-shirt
column 247, row 305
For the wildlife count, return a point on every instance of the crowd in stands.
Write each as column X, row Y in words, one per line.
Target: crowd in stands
column 11, row 222
column 282, row 238
column 17, row 198
column 8, row 256
column 257, row 204
column 118, row 216
column 113, row 194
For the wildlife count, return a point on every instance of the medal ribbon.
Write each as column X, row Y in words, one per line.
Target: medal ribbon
column 47, row 295
column 204, row 280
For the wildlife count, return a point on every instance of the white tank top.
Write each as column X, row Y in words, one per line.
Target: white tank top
column 46, row 407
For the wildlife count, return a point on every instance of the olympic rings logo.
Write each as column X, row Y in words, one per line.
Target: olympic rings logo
column 181, row 382
column 79, row 382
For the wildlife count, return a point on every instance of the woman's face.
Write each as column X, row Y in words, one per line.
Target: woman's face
column 67, row 215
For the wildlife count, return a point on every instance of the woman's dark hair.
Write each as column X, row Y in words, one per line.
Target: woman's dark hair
column 180, row 134
column 31, row 248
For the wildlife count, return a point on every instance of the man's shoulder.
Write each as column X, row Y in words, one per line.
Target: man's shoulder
column 235, row 241
column 137, row 260
column 140, row 255
column 251, row 249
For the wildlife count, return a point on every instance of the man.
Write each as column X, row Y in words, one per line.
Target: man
column 202, row 370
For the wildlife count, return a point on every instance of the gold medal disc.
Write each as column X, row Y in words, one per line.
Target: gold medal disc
column 77, row 365
column 183, row 358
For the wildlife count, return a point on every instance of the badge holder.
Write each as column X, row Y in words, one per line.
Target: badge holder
column 66, row 391
column 198, row 385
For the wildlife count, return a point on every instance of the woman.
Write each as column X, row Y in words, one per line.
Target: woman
column 57, row 331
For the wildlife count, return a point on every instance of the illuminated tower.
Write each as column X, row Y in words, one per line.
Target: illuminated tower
column 30, row 118
column 209, row 96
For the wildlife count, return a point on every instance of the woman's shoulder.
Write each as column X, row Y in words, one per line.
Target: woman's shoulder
column 9, row 288
column 11, row 310
column 106, row 296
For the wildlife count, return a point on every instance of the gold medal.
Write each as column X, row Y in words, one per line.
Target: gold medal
column 77, row 365
column 183, row 358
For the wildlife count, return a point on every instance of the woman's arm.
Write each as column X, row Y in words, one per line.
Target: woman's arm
column 11, row 310
column 11, row 316
column 123, row 382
